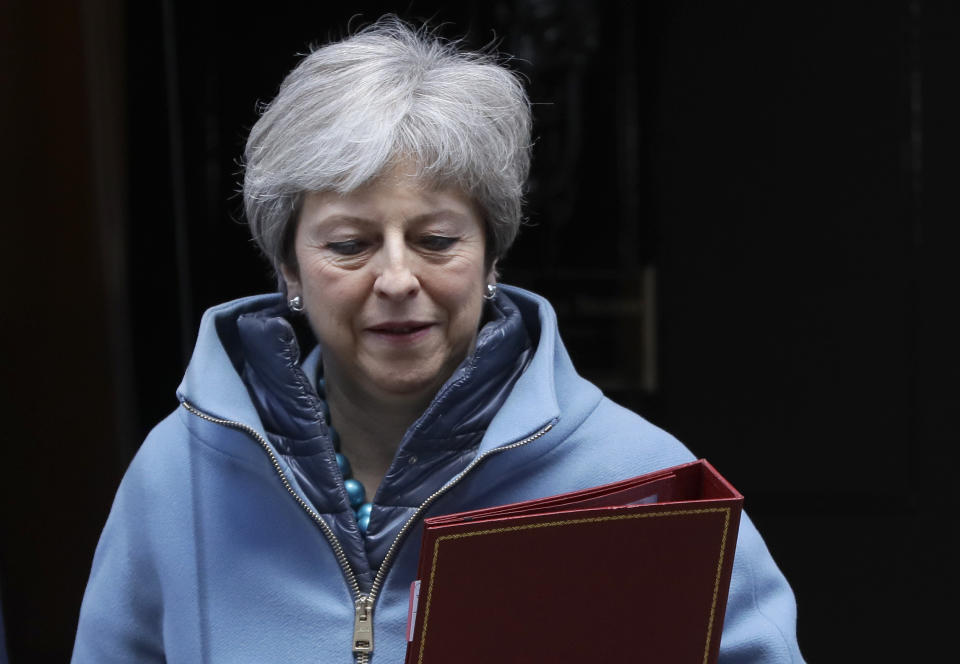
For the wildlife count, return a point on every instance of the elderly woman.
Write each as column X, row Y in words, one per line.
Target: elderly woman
column 393, row 379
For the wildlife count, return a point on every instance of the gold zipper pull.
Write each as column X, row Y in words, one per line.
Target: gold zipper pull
column 363, row 625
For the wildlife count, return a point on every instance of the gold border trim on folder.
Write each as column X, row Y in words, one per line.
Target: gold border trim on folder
column 573, row 522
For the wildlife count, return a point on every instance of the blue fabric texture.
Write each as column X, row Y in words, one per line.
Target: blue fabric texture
column 214, row 552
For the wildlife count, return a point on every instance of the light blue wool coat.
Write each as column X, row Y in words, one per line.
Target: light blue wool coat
column 225, row 546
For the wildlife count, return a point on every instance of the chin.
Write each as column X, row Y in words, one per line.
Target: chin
column 409, row 387
column 410, row 384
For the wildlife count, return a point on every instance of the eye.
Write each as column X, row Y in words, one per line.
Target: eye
column 437, row 242
column 347, row 247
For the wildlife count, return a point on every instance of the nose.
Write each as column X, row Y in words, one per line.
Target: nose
column 396, row 278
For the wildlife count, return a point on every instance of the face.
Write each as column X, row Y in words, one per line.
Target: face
column 392, row 277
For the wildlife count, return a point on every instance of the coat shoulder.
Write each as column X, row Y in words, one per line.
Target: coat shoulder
column 615, row 432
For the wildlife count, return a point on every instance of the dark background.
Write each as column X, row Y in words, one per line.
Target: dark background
column 744, row 212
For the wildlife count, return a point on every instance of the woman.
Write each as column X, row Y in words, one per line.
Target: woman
column 393, row 379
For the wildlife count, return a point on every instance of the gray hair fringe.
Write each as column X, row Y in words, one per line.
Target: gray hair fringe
column 352, row 109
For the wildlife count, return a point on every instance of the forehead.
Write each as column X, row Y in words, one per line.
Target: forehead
column 400, row 193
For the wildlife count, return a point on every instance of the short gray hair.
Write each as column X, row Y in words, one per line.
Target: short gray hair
column 352, row 109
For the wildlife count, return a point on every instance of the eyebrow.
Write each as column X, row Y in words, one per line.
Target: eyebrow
column 344, row 218
column 444, row 213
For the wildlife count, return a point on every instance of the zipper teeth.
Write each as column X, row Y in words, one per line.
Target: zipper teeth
column 388, row 558
column 334, row 542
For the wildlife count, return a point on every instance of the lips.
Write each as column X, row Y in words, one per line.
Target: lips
column 404, row 333
column 400, row 328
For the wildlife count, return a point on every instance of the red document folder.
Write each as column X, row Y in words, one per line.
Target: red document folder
column 634, row 571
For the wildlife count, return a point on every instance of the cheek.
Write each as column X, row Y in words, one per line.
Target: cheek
column 461, row 294
column 333, row 301
column 456, row 282
column 331, row 288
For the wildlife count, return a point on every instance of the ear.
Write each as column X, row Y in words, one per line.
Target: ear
column 292, row 279
column 492, row 274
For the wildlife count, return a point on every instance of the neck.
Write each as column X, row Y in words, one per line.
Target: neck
column 370, row 429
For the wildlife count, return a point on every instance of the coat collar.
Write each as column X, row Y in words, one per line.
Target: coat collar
column 212, row 381
column 518, row 418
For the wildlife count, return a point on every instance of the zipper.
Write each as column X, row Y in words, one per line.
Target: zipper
column 371, row 597
column 363, row 603
column 334, row 542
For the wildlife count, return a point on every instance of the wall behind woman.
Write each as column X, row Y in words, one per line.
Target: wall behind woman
column 782, row 167
column 66, row 382
column 802, row 169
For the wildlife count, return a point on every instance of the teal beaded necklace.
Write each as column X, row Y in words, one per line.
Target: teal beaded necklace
column 355, row 491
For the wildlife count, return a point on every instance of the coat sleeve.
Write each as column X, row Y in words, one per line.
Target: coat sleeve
column 121, row 614
column 129, row 592
column 761, row 617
